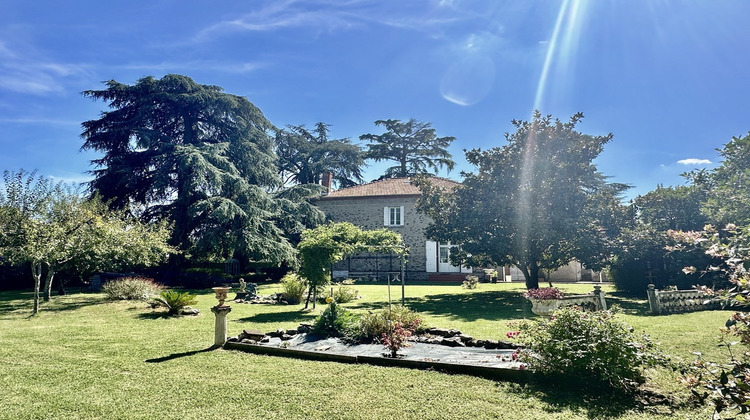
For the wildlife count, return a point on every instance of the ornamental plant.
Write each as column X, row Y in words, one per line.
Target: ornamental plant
column 725, row 385
column 175, row 301
column 592, row 345
column 397, row 338
column 131, row 288
column 545, row 293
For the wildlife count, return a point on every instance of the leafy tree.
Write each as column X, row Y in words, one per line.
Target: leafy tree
column 305, row 155
column 413, row 145
column 535, row 203
column 327, row 244
column 53, row 227
column 728, row 185
column 676, row 208
column 192, row 154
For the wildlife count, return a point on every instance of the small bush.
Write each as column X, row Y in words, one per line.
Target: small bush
column 471, row 282
column 373, row 325
column 175, row 301
column 132, row 288
column 397, row 337
column 336, row 321
column 588, row 345
column 294, row 288
column 342, row 292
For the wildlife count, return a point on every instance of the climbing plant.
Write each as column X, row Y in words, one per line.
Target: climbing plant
column 327, row 244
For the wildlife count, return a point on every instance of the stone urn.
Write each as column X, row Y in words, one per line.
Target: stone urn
column 544, row 307
column 221, row 294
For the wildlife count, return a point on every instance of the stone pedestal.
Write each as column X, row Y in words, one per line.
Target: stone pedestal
column 220, row 327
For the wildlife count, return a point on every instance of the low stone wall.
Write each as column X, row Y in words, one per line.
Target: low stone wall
column 679, row 301
column 594, row 299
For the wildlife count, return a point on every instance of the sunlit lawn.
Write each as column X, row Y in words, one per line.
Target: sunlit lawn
column 86, row 358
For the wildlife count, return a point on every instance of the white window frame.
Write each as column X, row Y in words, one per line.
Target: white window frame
column 393, row 216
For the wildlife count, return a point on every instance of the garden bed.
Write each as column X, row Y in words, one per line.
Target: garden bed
column 475, row 361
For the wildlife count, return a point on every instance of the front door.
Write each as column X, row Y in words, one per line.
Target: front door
column 444, row 258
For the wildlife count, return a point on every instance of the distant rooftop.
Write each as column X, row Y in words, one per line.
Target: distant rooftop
column 388, row 187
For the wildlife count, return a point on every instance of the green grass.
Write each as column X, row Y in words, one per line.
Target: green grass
column 85, row 358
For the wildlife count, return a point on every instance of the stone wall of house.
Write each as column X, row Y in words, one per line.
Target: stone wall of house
column 367, row 213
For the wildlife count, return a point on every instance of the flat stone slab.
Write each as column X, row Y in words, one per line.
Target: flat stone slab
column 496, row 363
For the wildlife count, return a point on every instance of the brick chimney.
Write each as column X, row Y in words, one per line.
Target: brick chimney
column 327, row 181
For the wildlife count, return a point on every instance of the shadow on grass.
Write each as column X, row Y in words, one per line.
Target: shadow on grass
column 154, row 315
column 11, row 301
column 571, row 396
column 280, row 317
column 628, row 304
column 489, row 305
column 178, row 355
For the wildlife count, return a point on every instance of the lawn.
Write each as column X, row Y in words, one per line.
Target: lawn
column 84, row 358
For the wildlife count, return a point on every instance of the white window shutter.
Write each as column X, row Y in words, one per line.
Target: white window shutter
column 386, row 216
column 431, row 257
column 402, row 215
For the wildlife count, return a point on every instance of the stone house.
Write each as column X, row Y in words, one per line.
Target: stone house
column 389, row 203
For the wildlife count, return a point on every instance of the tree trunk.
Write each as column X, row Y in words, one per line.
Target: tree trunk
column 309, row 293
column 36, row 272
column 48, row 283
column 532, row 279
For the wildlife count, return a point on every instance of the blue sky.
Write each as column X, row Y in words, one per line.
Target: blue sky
column 668, row 78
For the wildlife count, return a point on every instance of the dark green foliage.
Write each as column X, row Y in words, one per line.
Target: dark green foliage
column 305, row 155
column 175, row 301
column 132, row 288
column 727, row 186
column 194, row 155
column 413, row 145
column 677, row 208
column 588, row 345
column 536, row 203
column 335, row 321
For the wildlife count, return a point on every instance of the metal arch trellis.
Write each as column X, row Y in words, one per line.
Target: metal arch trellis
column 380, row 249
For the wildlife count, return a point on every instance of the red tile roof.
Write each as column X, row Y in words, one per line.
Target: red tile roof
column 388, row 187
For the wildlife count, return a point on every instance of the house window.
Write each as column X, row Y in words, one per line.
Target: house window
column 393, row 216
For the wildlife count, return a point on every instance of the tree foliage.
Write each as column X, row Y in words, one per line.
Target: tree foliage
column 676, row 208
column 727, row 186
column 53, row 227
column 177, row 150
column 305, row 155
column 535, row 203
column 647, row 254
column 413, row 145
column 327, row 244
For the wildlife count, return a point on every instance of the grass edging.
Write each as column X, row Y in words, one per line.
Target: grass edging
column 490, row 372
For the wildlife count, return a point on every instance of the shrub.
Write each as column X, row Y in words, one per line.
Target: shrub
column 342, row 292
column 471, row 282
column 373, row 325
column 131, row 288
column 590, row 345
column 396, row 337
column 336, row 321
column 175, row 301
column 294, row 288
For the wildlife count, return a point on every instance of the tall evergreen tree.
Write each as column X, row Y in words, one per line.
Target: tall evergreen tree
column 175, row 149
column 305, row 155
column 413, row 145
